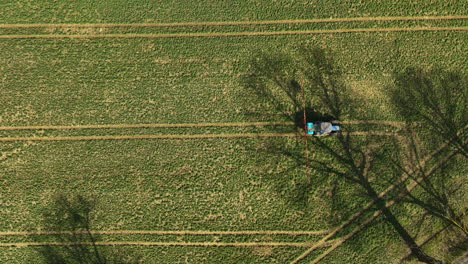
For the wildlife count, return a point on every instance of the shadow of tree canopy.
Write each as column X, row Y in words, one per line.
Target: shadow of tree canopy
column 364, row 164
column 70, row 218
column 278, row 80
column 437, row 98
column 442, row 196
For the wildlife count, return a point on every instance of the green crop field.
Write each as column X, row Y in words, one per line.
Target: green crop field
column 243, row 195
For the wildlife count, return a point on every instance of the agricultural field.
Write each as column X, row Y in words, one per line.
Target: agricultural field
column 140, row 118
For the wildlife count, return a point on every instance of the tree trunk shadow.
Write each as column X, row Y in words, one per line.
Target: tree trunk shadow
column 68, row 218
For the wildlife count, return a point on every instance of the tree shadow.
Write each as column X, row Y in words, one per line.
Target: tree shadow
column 290, row 183
column 459, row 248
column 69, row 219
column 438, row 99
column 311, row 115
column 307, row 82
column 441, row 193
column 364, row 168
column 440, row 198
column 277, row 80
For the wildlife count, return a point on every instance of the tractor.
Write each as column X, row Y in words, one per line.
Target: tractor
column 322, row 129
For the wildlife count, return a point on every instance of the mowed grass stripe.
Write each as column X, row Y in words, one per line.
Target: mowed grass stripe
column 206, row 136
column 237, row 23
column 190, row 125
column 171, row 232
column 232, row 34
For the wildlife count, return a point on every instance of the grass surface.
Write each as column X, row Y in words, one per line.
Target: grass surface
column 218, row 10
column 210, row 184
column 189, row 80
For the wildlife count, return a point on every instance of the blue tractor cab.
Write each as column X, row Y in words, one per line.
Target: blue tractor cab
column 310, row 129
column 322, row 128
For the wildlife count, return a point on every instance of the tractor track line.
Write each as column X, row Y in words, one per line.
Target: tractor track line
column 162, row 244
column 397, row 124
column 187, row 125
column 410, row 187
column 235, row 23
column 372, row 203
column 231, row 34
column 170, row 232
column 207, row 136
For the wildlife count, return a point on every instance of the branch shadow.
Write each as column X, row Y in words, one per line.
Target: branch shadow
column 441, row 193
column 347, row 158
column 437, row 98
column 69, row 218
column 307, row 82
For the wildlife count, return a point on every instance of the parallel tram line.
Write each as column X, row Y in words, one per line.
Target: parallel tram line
column 162, row 244
column 119, row 126
column 176, row 136
column 199, row 136
column 235, row 23
column 322, row 243
column 231, row 34
column 187, row 125
column 168, row 232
